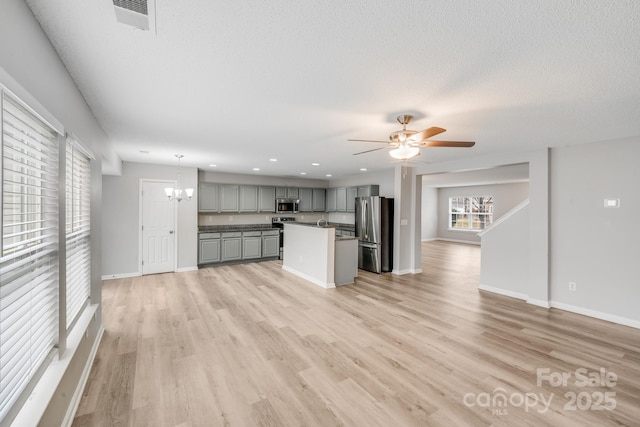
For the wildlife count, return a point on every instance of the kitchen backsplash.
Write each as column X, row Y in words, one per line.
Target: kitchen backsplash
column 241, row 219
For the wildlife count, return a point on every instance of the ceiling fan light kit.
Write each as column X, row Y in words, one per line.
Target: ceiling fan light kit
column 404, row 152
column 405, row 143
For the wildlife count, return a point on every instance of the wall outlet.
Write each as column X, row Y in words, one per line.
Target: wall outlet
column 230, row 218
column 572, row 286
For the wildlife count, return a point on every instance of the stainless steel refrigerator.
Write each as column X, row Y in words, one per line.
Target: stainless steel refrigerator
column 374, row 229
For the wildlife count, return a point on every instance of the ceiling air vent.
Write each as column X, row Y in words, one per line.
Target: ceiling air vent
column 137, row 13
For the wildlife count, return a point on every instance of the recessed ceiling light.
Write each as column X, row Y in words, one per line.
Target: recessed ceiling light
column 256, row 169
column 144, row 151
column 303, row 173
column 213, row 166
column 328, row 174
column 273, row 160
column 363, row 169
column 315, row 164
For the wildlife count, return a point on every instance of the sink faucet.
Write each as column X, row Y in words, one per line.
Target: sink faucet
column 321, row 222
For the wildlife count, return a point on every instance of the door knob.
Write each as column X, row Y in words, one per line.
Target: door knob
column 170, row 231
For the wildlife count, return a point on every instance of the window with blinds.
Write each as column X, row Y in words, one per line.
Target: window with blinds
column 29, row 257
column 78, row 198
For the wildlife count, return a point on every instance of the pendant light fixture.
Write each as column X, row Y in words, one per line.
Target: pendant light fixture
column 176, row 193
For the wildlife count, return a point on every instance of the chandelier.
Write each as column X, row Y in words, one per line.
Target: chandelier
column 176, row 193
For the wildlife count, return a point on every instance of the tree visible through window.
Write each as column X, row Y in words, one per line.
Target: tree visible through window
column 470, row 213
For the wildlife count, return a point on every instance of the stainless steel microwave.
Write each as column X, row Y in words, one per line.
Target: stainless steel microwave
column 287, row 205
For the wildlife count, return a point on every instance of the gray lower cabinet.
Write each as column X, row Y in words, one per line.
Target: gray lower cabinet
column 251, row 244
column 306, row 199
column 331, row 200
column 208, row 197
column 248, row 198
column 231, row 246
column 270, row 244
column 319, row 199
column 209, row 248
column 266, row 199
column 229, row 201
column 352, row 193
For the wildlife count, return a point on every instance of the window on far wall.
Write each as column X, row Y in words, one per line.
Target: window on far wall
column 470, row 213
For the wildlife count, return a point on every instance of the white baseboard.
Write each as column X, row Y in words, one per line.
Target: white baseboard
column 185, row 269
column 505, row 292
column 121, row 276
column 458, row 241
column 562, row 306
column 77, row 395
column 539, row 302
column 430, row 239
column 406, row 271
column 597, row 314
column 309, row 278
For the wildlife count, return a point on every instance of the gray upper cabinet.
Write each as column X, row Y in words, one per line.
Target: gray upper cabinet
column 293, row 193
column 281, row 192
column 306, row 200
column 352, row 193
column 229, row 201
column 341, row 199
column 248, row 198
column 208, row 197
column 331, row 200
column 368, row 190
column 266, row 199
column 287, row 193
column 319, row 199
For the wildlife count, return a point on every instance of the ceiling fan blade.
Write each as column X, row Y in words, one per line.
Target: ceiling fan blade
column 462, row 144
column 424, row 134
column 367, row 140
column 369, row 151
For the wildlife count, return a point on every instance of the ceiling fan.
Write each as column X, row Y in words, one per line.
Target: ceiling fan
column 405, row 143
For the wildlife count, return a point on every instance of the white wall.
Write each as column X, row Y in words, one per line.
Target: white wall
column 429, row 215
column 121, row 253
column 384, row 179
column 505, row 254
column 506, row 197
column 594, row 246
column 27, row 56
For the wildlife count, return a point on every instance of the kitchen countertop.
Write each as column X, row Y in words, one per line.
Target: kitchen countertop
column 238, row 227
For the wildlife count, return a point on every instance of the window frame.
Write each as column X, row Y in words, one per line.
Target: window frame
column 470, row 206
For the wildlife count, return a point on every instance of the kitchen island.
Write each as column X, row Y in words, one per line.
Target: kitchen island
column 317, row 255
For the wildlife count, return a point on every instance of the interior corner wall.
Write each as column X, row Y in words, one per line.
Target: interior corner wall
column 121, row 218
column 592, row 245
column 505, row 198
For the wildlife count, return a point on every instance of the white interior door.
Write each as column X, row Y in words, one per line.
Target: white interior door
column 158, row 228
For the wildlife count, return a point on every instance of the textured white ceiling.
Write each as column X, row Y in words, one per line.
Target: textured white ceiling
column 234, row 83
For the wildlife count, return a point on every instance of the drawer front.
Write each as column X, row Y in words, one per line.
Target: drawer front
column 251, row 233
column 231, row 234
column 271, row 232
column 209, row 236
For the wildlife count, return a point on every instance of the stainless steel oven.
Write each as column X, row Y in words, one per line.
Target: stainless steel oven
column 278, row 222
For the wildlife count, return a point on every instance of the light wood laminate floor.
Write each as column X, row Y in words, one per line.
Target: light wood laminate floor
column 253, row 345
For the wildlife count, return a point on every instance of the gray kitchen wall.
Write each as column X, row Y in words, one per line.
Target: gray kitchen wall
column 121, row 222
column 506, row 197
column 594, row 246
column 28, row 60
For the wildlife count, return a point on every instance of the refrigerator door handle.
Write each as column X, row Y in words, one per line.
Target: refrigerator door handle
column 364, row 217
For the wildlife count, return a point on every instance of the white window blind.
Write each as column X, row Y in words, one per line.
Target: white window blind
column 78, row 229
column 29, row 257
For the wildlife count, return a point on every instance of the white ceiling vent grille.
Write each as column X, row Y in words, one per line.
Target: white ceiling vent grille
column 137, row 13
